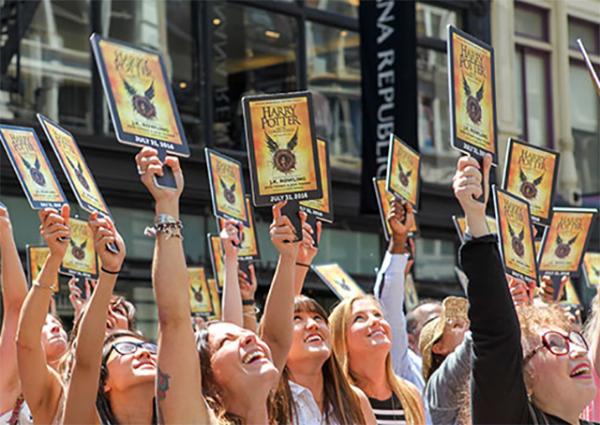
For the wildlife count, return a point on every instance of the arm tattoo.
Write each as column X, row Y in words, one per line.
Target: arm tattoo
column 162, row 384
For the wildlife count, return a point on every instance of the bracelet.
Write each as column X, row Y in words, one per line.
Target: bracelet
column 37, row 284
column 109, row 272
column 167, row 225
column 303, row 265
column 247, row 302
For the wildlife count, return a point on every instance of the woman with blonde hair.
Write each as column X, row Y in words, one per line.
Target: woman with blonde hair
column 360, row 332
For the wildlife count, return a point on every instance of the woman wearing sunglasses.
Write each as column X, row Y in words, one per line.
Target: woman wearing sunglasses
column 123, row 363
column 526, row 369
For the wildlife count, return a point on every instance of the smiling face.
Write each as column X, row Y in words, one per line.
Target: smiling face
column 240, row 361
column 368, row 331
column 54, row 339
column 128, row 370
column 311, row 339
column 565, row 381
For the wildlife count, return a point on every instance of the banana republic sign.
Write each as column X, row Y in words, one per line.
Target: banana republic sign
column 388, row 61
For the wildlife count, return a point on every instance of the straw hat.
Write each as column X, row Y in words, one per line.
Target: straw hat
column 453, row 308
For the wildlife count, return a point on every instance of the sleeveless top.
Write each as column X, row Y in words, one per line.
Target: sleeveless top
column 388, row 412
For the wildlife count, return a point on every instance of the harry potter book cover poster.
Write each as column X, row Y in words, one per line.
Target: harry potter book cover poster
column 461, row 226
column 226, row 186
column 32, row 167
column 323, row 207
column 200, row 300
column 215, row 298
column 80, row 259
column 217, row 260
column 75, row 167
column 248, row 247
column 516, row 237
column 340, row 282
column 530, row 173
column 139, row 95
column 591, row 268
column 472, row 95
column 403, row 172
column 282, row 148
column 36, row 257
column 565, row 241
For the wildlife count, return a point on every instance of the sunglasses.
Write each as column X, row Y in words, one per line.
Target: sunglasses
column 128, row 347
column 558, row 343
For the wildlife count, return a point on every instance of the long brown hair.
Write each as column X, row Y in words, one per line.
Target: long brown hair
column 211, row 389
column 407, row 393
column 339, row 399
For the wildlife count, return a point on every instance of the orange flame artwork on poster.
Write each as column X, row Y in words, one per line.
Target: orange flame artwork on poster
column 384, row 203
column 81, row 259
column 36, row 257
column 200, row 300
column 403, row 172
column 340, row 282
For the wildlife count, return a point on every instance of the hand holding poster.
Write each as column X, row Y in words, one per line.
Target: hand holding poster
column 80, row 259
column 226, row 187
column 403, row 171
column 516, row 239
column 32, row 167
column 200, row 301
column 565, row 241
column 591, row 268
column 323, row 207
column 338, row 280
column 472, row 95
column 74, row 166
column 282, row 148
column 36, row 258
column 530, row 173
column 248, row 247
column 384, row 202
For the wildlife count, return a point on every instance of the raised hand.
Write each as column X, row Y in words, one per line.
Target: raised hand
column 105, row 233
column 282, row 232
column 248, row 283
column 76, row 295
column 150, row 165
column 55, row 230
column 519, row 291
column 230, row 238
column 307, row 250
column 5, row 224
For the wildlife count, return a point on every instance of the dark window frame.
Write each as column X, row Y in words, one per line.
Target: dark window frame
column 595, row 26
column 544, row 13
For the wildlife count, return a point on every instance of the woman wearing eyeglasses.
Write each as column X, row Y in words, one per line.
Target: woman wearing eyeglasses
column 113, row 376
column 527, row 369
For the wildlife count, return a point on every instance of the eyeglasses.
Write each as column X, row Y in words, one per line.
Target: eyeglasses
column 558, row 344
column 128, row 347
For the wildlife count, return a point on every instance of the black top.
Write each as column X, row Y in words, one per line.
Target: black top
column 498, row 390
column 388, row 412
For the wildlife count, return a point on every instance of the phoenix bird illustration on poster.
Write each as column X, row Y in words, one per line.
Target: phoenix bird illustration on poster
column 340, row 282
column 80, row 259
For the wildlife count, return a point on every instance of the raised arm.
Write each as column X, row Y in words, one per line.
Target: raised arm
column 83, row 387
column 306, row 254
column 248, row 285
column 389, row 288
column 179, row 385
column 277, row 322
column 497, row 386
column 14, row 290
column 40, row 384
column 232, row 298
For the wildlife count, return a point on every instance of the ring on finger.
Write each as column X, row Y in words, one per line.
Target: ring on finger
column 140, row 171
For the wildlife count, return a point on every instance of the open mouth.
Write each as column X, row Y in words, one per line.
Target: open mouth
column 254, row 357
column 145, row 364
column 377, row 333
column 314, row 338
column 581, row 371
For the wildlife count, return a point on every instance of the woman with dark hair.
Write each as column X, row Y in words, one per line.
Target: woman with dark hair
column 228, row 374
column 41, row 339
column 314, row 388
column 13, row 408
column 123, row 363
column 527, row 368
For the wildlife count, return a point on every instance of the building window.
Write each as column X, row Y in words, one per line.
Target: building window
column 333, row 61
column 585, row 105
column 434, row 259
column 439, row 159
column 532, row 76
column 341, row 7
column 165, row 27
column 253, row 52
column 55, row 74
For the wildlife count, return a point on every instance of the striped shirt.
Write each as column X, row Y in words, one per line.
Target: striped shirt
column 388, row 412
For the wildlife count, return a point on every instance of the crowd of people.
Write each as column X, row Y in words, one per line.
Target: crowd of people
column 498, row 356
